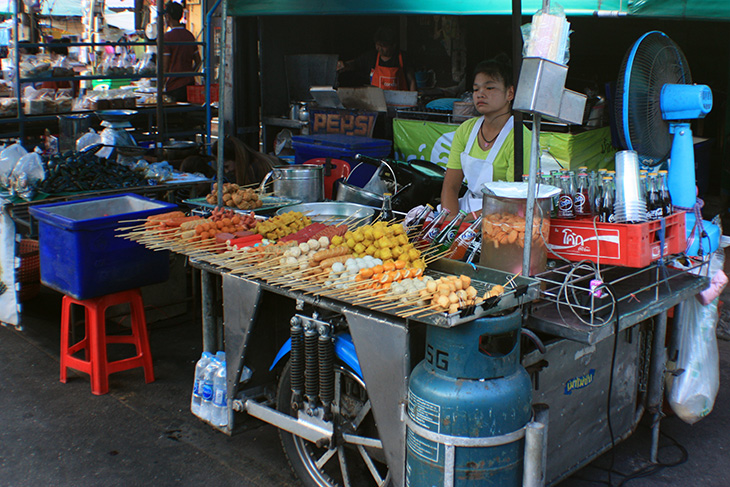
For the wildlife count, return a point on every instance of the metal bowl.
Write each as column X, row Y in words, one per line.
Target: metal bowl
column 347, row 192
column 333, row 211
column 115, row 115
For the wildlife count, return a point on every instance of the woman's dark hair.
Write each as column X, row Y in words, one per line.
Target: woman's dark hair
column 250, row 166
column 198, row 164
column 499, row 67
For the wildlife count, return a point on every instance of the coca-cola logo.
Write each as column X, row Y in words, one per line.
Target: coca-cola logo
column 571, row 238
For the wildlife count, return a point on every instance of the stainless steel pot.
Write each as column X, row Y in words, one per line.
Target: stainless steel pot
column 304, row 182
column 347, row 192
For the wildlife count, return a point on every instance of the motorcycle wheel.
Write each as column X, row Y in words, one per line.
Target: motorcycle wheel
column 357, row 457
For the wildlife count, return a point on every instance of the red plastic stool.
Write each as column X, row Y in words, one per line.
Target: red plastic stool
column 95, row 340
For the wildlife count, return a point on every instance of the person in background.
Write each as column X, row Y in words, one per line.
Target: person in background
column 386, row 65
column 483, row 147
column 178, row 58
column 243, row 165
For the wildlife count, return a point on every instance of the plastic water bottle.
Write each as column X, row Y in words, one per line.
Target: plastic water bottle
column 197, row 397
column 206, row 408
column 219, row 414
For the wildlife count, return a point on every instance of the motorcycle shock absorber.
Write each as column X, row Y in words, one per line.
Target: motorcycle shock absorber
column 311, row 371
column 326, row 369
column 297, row 362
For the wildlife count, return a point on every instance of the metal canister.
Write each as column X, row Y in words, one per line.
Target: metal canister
column 303, row 182
column 469, row 389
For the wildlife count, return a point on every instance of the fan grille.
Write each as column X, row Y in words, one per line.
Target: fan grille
column 653, row 61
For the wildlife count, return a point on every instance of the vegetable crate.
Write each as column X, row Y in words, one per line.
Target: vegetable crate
column 624, row 244
column 80, row 254
column 196, row 94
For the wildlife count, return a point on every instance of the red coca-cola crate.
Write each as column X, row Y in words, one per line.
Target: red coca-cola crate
column 623, row 244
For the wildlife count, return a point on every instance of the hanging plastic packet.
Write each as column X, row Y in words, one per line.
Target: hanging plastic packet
column 547, row 36
column 27, row 175
column 9, row 157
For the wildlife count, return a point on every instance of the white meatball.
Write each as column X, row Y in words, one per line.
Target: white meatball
column 349, row 262
column 291, row 261
column 313, row 244
column 338, row 267
column 324, row 242
column 293, row 252
column 304, row 248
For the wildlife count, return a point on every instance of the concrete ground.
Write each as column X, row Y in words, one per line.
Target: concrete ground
column 144, row 434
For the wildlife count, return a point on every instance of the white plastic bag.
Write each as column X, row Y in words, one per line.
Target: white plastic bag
column 27, row 175
column 87, row 140
column 9, row 157
column 691, row 393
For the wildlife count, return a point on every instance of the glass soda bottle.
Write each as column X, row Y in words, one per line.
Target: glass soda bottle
column 565, row 200
column 416, row 225
column 607, row 214
column 654, row 203
column 582, row 199
column 668, row 209
column 447, row 235
column 460, row 247
column 386, row 211
column 475, row 249
column 644, row 193
column 431, row 230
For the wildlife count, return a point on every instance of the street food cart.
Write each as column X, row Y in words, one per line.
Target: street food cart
column 345, row 394
column 590, row 382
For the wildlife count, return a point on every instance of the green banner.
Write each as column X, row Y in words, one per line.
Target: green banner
column 431, row 141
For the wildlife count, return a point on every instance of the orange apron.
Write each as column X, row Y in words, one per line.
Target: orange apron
column 389, row 78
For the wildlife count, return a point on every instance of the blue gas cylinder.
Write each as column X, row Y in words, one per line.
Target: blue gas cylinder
column 470, row 384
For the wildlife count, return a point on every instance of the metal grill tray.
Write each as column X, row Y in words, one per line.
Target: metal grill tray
column 522, row 290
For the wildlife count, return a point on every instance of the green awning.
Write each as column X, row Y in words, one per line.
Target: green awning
column 417, row 7
column 681, row 9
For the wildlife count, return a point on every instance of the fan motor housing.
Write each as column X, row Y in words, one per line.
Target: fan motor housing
column 685, row 102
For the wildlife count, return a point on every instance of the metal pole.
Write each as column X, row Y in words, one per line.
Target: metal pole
column 210, row 323
column 208, row 61
column 533, row 471
column 657, row 368
column 16, row 77
column 221, row 101
column 160, row 79
column 531, row 194
column 519, row 153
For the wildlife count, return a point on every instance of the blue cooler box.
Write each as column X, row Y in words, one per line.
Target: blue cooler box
column 81, row 254
column 345, row 147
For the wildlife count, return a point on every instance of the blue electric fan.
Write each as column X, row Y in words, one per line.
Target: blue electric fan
column 655, row 102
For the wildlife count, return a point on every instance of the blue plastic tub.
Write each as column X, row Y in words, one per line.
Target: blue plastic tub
column 81, row 254
column 345, row 147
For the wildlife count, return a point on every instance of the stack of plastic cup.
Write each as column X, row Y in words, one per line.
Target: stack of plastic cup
column 630, row 205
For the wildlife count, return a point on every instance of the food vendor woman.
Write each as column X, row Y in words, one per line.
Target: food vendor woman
column 483, row 147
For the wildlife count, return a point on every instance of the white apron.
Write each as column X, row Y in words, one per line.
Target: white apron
column 479, row 171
